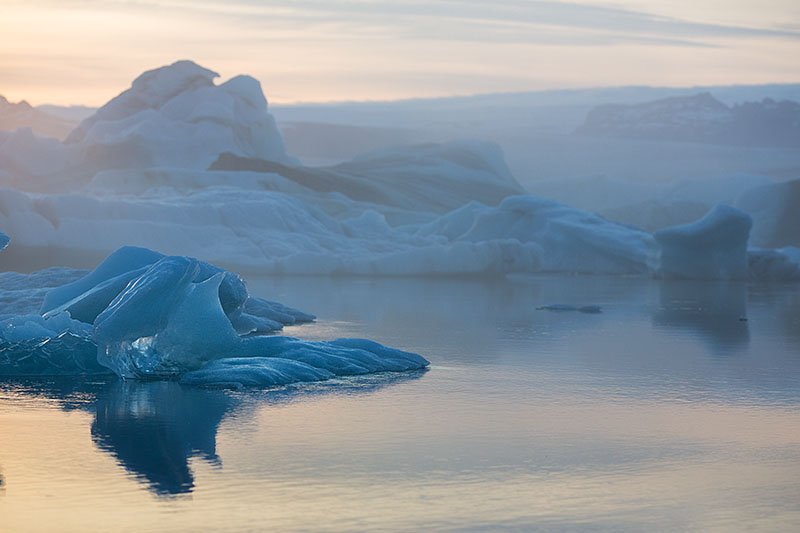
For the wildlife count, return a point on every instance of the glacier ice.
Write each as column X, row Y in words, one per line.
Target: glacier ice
column 275, row 232
column 4, row 240
column 714, row 247
column 31, row 345
column 144, row 315
column 288, row 359
column 193, row 168
column 138, row 168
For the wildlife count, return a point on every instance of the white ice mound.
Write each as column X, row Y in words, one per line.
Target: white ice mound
column 436, row 177
column 175, row 116
column 714, row 247
column 553, row 236
column 148, row 316
column 268, row 231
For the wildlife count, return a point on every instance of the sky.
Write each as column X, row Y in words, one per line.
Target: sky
column 87, row 51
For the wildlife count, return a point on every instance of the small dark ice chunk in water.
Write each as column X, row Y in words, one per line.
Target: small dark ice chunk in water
column 589, row 309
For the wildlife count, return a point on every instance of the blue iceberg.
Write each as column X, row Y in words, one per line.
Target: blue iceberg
column 143, row 315
column 714, row 247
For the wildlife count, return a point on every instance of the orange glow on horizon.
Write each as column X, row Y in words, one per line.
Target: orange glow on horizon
column 87, row 52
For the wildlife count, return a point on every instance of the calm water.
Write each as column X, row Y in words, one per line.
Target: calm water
column 676, row 407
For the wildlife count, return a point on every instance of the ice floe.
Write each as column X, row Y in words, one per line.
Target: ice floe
column 147, row 316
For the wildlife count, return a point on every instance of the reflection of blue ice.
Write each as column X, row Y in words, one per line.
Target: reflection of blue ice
column 716, row 311
column 153, row 429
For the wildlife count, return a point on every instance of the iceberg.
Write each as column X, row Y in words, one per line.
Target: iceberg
column 31, row 345
column 180, row 164
column 566, row 239
column 306, row 233
column 177, row 162
column 714, row 247
column 775, row 208
column 144, row 315
column 174, row 116
column 4, row 240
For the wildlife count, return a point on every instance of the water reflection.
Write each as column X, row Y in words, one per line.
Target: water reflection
column 714, row 311
column 787, row 305
column 154, row 429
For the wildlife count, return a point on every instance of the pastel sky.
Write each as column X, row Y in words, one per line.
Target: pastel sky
column 86, row 51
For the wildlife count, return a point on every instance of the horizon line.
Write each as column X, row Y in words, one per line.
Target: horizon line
column 458, row 96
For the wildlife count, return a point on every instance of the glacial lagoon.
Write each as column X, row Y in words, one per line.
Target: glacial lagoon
column 675, row 407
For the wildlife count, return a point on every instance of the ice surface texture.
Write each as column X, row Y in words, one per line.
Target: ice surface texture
column 148, row 316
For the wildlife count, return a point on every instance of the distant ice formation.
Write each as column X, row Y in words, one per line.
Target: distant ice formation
column 190, row 168
column 775, row 208
column 432, row 177
column 714, row 247
column 143, row 315
column 4, row 240
column 782, row 264
column 275, row 232
column 173, row 116
column 699, row 118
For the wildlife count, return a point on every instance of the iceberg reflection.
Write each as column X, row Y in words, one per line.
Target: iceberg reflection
column 153, row 429
column 714, row 311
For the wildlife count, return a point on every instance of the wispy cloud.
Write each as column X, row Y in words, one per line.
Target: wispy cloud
column 335, row 49
column 547, row 22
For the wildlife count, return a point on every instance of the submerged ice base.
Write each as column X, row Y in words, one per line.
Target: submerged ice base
column 143, row 315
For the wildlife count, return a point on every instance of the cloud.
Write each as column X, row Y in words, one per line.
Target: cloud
column 535, row 21
column 87, row 50
column 539, row 22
